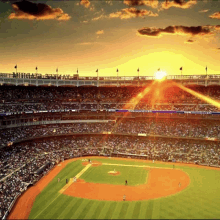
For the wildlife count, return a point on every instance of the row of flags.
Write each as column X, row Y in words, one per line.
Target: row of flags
column 181, row 68
column 16, row 66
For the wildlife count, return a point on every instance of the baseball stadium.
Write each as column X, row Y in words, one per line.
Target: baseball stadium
column 109, row 109
column 134, row 149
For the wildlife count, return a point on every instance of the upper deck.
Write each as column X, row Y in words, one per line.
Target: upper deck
column 27, row 79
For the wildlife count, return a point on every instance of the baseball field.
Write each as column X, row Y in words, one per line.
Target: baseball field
column 153, row 190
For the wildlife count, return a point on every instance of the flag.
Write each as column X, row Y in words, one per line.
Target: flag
column 138, row 70
column 36, row 67
column 181, row 68
column 117, row 70
column 158, row 69
column 57, row 70
column 97, row 70
column 77, row 70
column 16, row 66
column 206, row 68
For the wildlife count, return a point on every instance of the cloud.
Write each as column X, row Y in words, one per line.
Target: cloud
column 85, row 21
column 85, row 3
column 86, row 43
column 37, row 11
column 98, row 17
column 177, row 30
column 150, row 3
column 216, row 15
column 178, row 4
column 204, row 11
column 91, row 43
column 190, row 41
column 100, row 32
column 217, row 27
column 127, row 13
column 109, row 2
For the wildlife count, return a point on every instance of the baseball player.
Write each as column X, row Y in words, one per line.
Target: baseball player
column 124, row 197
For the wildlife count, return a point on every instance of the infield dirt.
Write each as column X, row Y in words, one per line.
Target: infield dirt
column 161, row 183
column 23, row 205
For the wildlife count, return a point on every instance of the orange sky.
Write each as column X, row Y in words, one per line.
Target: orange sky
column 111, row 34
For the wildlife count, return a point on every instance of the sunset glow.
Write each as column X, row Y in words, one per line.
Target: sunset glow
column 127, row 35
column 160, row 75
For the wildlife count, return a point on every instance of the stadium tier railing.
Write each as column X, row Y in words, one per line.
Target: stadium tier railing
column 114, row 110
column 22, row 75
column 143, row 135
column 62, row 80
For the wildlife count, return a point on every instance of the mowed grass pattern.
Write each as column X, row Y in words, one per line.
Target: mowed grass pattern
column 200, row 200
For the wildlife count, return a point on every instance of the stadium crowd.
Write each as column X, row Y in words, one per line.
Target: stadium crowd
column 21, row 99
column 164, row 127
column 20, row 164
column 20, row 107
column 24, row 163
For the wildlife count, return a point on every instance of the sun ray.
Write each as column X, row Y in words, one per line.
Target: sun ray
column 200, row 96
column 160, row 75
column 135, row 100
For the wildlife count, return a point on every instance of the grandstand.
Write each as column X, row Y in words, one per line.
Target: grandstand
column 47, row 119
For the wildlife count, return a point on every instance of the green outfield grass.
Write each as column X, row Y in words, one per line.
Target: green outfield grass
column 199, row 200
column 134, row 175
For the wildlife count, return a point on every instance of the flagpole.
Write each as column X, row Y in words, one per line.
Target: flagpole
column 97, row 74
column 57, row 76
column 16, row 70
column 77, row 71
column 206, row 71
column 181, row 69
column 36, row 77
column 36, row 72
column 117, row 76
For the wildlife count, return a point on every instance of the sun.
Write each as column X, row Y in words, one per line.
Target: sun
column 160, row 75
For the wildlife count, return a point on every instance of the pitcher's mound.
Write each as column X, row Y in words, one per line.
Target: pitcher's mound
column 114, row 173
